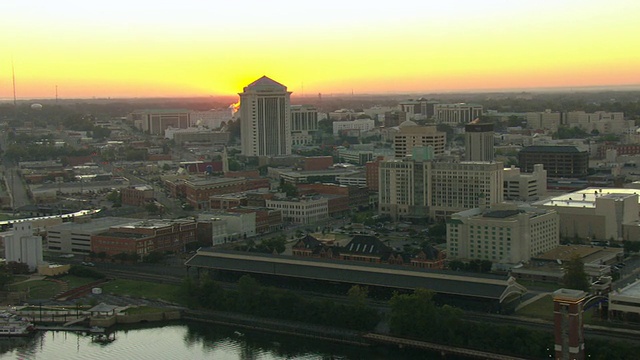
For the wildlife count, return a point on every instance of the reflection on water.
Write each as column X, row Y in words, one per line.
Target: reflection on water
column 189, row 341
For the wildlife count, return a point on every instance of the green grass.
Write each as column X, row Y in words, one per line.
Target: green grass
column 143, row 310
column 76, row 281
column 38, row 289
column 543, row 309
column 141, row 289
column 540, row 309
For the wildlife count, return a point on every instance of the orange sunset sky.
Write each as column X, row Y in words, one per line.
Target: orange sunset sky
column 200, row 48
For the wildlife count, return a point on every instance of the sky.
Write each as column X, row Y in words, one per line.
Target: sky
column 200, row 48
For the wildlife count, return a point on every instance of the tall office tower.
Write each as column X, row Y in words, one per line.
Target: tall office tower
column 265, row 119
column 478, row 142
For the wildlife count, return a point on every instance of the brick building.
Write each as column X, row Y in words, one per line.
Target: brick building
column 137, row 195
column 357, row 196
column 199, row 191
column 145, row 237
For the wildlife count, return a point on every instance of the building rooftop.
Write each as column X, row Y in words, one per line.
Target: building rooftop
column 501, row 214
column 587, row 197
column 94, row 226
column 631, row 290
column 161, row 111
column 266, row 82
column 551, row 148
column 588, row 254
column 390, row 276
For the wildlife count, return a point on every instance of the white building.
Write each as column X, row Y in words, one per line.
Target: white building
column 20, row 245
column 594, row 213
column 265, row 125
column 362, row 125
column 226, row 227
column 454, row 114
column 212, row 119
column 75, row 237
column 545, row 120
column 301, row 211
column 304, row 124
column 155, row 121
column 519, row 186
column 601, row 121
column 505, row 234
column 625, row 301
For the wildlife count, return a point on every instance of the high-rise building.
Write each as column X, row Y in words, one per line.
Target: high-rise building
column 304, row 124
column 478, row 142
column 265, row 118
column 411, row 135
column 456, row 113
column 410, row 189
column 559, row 161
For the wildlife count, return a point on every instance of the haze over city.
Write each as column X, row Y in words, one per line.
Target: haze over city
column 193, row 48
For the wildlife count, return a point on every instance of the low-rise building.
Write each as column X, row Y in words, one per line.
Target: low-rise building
column 359, row 125
column 624, row 302
column 137, row 195
column 198, row 191
column 594, row 213
column 144, row 237
column 306, row 210
column 506, row 233
column 75, row 237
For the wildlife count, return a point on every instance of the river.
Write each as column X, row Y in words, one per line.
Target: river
column 190, row 341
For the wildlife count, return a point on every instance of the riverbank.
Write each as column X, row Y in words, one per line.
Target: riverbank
column 323, row 333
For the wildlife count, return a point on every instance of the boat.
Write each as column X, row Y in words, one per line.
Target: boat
column 103, row 338
column 14, row 325
column 96, row 330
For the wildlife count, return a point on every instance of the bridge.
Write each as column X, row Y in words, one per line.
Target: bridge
column 442, row 349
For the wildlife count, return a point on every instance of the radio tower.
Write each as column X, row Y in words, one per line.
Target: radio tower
column 15, row 102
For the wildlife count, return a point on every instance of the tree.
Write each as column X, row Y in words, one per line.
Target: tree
column 289, row 189
column 574, row 275
column 631, row 246
column 358, row 295
column 154, row 257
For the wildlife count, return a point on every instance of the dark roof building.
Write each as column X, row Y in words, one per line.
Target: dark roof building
column 365, row 248
column 558, row 161
column 496, row 290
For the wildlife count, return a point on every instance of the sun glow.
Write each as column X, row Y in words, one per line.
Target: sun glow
column 180, row 49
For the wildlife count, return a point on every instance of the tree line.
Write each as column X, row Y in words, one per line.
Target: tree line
column 253, row 299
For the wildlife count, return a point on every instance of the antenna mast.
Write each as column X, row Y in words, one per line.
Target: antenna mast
column 15, row 102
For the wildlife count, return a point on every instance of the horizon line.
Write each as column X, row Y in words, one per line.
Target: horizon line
column 552, row 89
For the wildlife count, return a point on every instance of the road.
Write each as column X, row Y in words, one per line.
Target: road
column 16, row 187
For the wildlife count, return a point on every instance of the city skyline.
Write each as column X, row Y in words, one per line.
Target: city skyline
column 144, row 49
